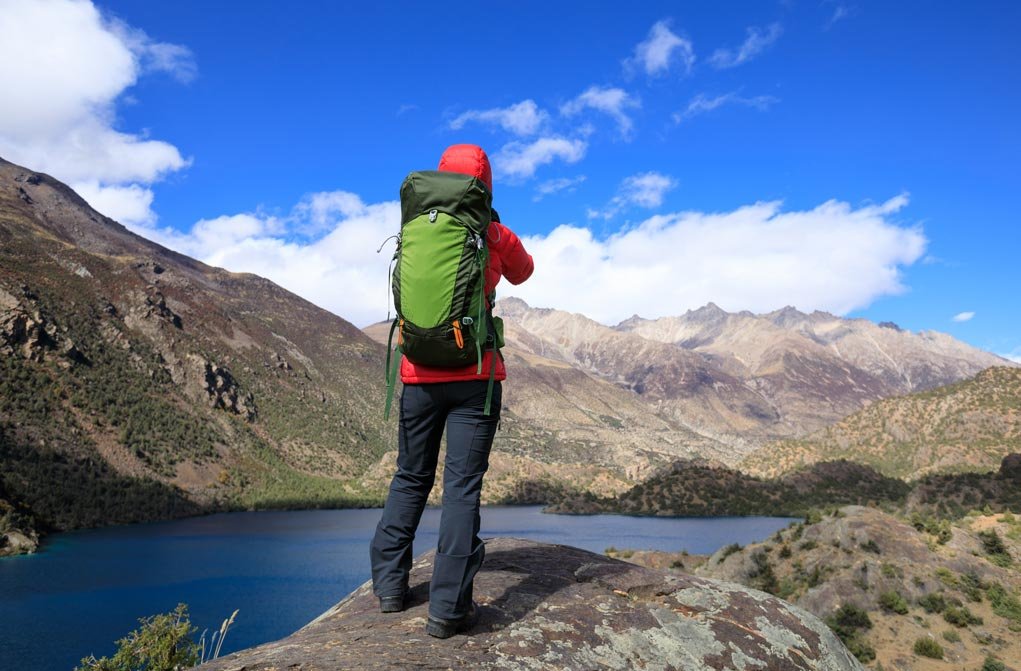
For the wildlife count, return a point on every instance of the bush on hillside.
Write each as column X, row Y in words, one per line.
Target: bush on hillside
column 928, row 647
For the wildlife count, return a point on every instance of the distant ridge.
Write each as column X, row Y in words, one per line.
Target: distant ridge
column 966, row 426
column 741, row 379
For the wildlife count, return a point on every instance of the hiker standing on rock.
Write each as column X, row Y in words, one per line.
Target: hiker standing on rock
column 452, row 252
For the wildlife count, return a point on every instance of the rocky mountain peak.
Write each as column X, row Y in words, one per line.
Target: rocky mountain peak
column 787, row 317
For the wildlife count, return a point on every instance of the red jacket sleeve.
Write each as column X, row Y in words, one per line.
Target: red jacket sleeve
column 515, row 263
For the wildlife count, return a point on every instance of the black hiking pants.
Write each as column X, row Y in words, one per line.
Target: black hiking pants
column 424, row 411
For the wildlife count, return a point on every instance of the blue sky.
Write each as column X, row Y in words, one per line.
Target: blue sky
column 859, row 157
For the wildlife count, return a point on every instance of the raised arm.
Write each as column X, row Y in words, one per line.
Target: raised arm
column 516, row 264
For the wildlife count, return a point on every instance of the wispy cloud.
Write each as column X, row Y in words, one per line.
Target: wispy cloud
column 758, row 40
column 519, row 160
column 963, row 316
column 404, row 109
column 59, row 116
column 1014, row 356
column 176, row 60
column 552, row 186
column 645, row 189
column 840, row 12
column 611, row 101
column 660, row 50
column 523, row 118
column 703, row 103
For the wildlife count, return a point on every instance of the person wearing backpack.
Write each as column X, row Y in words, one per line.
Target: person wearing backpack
column 452, row 252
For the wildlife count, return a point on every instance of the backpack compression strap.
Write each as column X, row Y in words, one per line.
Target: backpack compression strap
column 391, row 370
column 489, row 388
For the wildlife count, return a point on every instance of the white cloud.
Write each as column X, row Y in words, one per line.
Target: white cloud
column 338, row 269
column 834, row 257
column 131, row 204
column 523, row 118
column 609, row 100
column 645, row 189
column 703, row 103
column 758, row 40
column 63, row 67
column 551, row 186
column 656, row 54
column 519, row 160
column 1014, row 356
column 963, row 316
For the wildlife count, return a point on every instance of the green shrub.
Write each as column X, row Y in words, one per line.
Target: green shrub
column 972, row 586
column 849, row 624
column 1005, row 604
column 892, row 601
column 729, row 550
column 993, row 664
column 761, row 575
column 808, row 545
column 162, row 643
column 960, row 616
column 946, row 576
column 871, row 546
column 994, row 547
column 785, row 552
column 849, row 617
column 891, row 570
column 861, row 649
column 933, row 603
column 928, row 647
column 952, row 636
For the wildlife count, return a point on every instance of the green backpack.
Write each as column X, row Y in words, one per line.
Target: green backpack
column 438, row 276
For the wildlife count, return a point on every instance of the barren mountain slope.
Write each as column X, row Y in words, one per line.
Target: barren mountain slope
column 558, row 414
column 147, row 383
column 967, row 426
column 690, row 388
column 816, row 368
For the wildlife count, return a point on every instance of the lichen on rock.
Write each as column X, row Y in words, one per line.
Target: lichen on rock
column 548, row 606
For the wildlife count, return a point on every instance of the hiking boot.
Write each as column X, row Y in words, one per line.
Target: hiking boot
column 438, row 628
column 395, row 604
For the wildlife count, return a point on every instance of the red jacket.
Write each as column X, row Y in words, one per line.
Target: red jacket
column 507, row 258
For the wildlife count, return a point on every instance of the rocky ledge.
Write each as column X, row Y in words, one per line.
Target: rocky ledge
column 558, row 607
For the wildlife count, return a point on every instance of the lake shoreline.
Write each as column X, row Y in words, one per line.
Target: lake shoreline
column 46, row 539
column 281, row 568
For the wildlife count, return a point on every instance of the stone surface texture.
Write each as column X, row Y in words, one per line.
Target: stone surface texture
column 548, row 606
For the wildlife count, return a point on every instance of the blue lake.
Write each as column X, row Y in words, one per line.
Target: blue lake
column 85, row 589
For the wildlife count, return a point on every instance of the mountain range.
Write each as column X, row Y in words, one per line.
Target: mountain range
column 148, row 384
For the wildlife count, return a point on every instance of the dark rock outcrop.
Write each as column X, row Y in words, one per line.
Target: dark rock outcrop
column 557, row 607
column 1010, row 467
column 217, row 384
